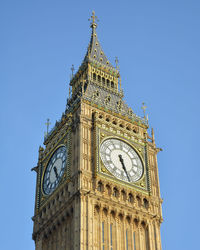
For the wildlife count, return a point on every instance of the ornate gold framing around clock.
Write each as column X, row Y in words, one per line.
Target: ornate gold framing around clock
column 101, row 136
column 65, row 140
column 45, row 166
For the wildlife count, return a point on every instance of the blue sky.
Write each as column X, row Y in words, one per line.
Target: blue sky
column 157, row 43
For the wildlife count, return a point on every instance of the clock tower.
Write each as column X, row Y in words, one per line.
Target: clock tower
column 97, row 176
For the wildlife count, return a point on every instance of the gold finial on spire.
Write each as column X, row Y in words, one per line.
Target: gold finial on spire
column 72, row 69
column 117, row 68
column 116, row 62
column 152, row 135
column 144, row 109
column 120, row 84
column 93, row 18
column 47, row 124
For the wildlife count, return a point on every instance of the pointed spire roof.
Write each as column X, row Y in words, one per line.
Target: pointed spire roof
column 95, row 53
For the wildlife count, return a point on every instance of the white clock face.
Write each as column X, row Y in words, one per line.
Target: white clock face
column 54, row 170
column 121, row 160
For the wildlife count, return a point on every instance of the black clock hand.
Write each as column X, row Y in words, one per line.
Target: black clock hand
column 55, row 171
column 123, row 166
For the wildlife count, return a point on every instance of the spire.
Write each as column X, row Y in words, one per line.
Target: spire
column 95, row 53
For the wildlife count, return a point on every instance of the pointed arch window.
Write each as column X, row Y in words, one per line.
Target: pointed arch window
column 100, row 186
column 146, row 203
column 99, row 78
column 115, row 192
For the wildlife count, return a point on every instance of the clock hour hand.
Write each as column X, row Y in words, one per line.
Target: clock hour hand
column 123, row 166
column 55, row 171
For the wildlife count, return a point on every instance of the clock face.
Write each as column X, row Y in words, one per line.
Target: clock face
column 121, row 160
column 54, row 170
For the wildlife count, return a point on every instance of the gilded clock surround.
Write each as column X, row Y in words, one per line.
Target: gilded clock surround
column 64, row 140
column 90, row 204
column 104, row 135
column 46, row 164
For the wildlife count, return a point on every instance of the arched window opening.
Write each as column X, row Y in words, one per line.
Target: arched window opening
column 121, row 217
column 138, row 200
column 130, row 198
column 135, row 130
column 108, row 189
column 113, row 213
column 85, row 87
column 97, row 209
column 146, row 203
column 100, row 186
column 128, row 219
column 114, row 122
column 99, row 78
column 105, row 211
column 115, row 192
column 123, row 195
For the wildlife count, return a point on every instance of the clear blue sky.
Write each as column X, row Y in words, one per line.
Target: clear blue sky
column 158, row 46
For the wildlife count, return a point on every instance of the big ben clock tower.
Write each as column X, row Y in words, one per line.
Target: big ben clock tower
column 97, row 176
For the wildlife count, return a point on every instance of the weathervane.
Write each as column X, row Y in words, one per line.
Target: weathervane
column 47, row 124
column 93, row 18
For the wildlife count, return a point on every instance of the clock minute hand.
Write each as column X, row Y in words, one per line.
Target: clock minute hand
column 123, row 166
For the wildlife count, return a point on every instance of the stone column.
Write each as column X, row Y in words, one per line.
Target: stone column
column 38, row 243
column 140, row 237
column 151, row 236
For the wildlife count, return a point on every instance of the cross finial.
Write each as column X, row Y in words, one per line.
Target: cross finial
column 144, row 109
column 116, row 62
column 47, row 124
column 93, row 18
column 72, row 69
